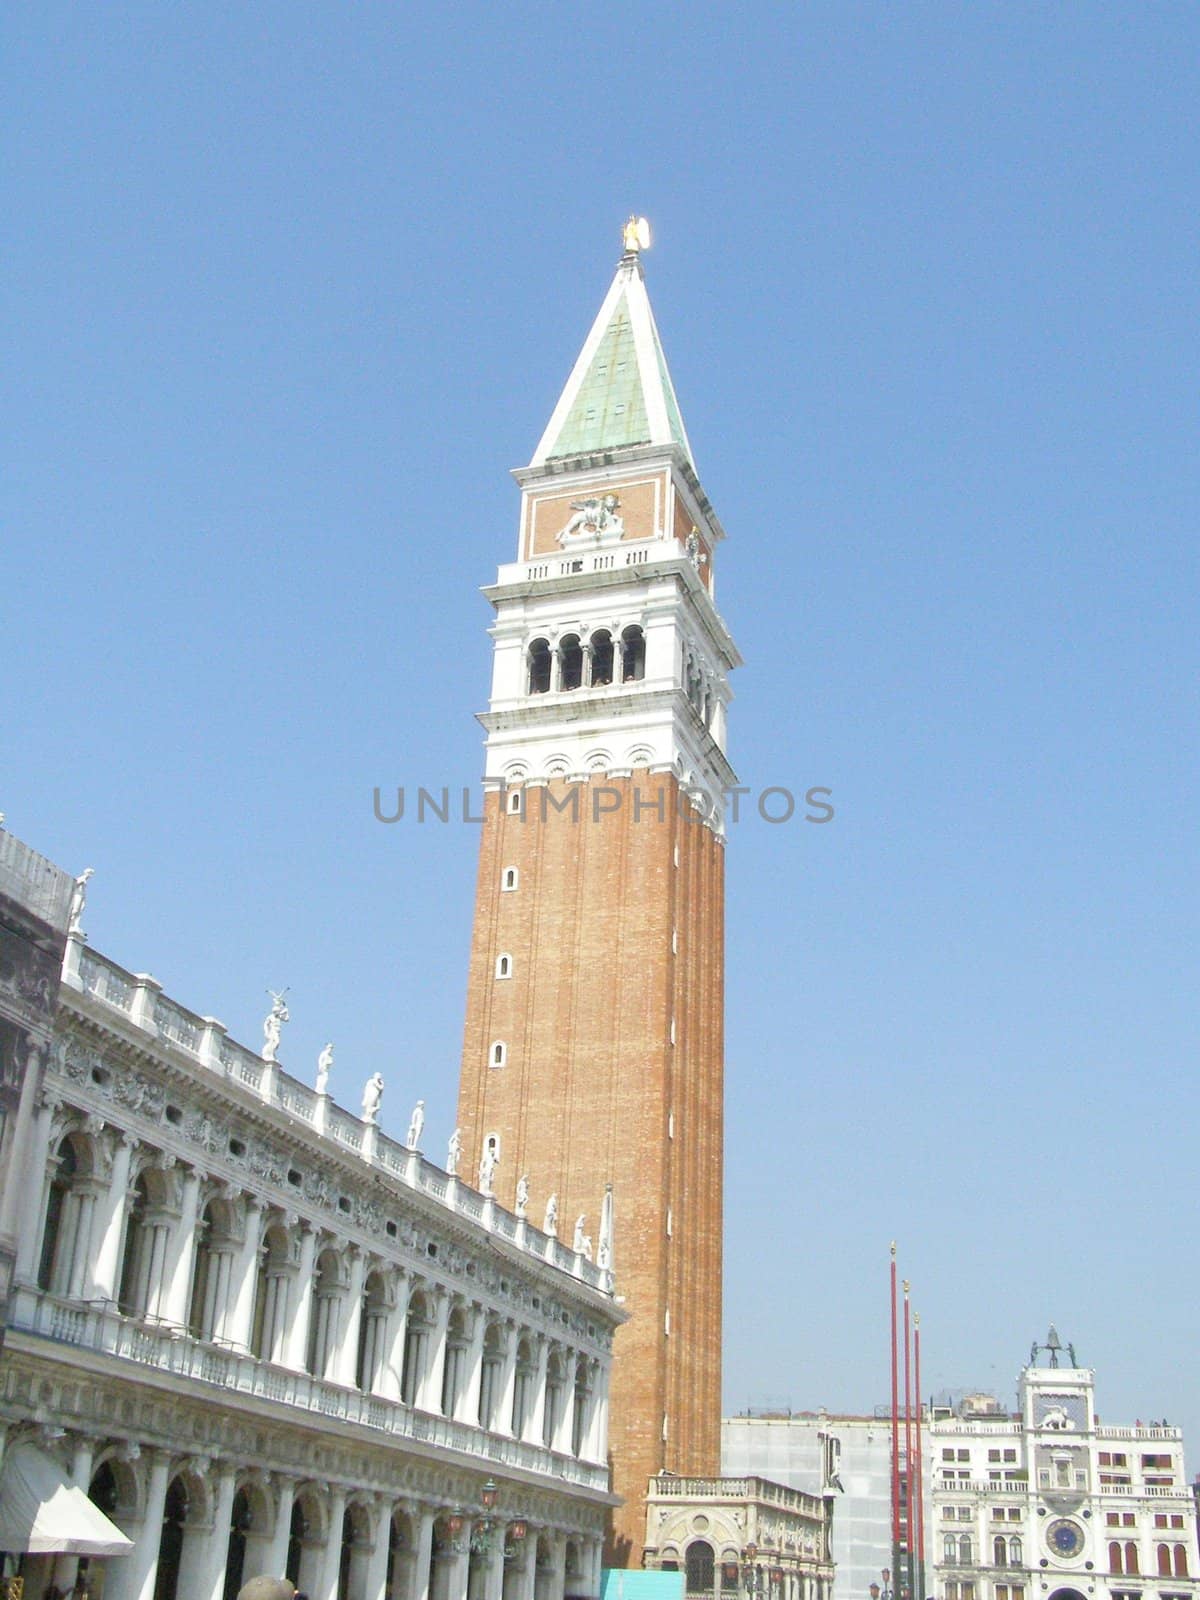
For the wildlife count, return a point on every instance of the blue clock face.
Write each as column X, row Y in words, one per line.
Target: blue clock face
column 1066, row 1538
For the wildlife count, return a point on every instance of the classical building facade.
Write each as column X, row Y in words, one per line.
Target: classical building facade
column 1048, row 1504
column 263, row 1337
column 593, row 1046
column 734, row 1537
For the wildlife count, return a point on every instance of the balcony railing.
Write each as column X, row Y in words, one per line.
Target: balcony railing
column 166, row 1349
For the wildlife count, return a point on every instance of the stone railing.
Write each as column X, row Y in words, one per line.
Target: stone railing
column 667, row 1486
column 1149, row 1431
column 167, row 1349
column 950, row 1487
column 205, row 1044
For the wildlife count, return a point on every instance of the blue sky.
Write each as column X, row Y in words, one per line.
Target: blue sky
column 291, row 288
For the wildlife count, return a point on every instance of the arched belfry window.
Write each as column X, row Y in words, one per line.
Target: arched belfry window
column 570, row 662
column 601, row 650
column 633, row 655
column 539, row 666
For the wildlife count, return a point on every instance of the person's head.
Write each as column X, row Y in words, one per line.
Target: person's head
column 265, row 1588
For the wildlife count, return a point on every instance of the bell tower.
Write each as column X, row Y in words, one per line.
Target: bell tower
column 593, row 1047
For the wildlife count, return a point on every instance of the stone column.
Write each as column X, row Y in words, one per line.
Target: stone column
column 493, row 1574
column 332, row 1556
column 34, row 1185
column 466, row 1403
column 110, row 1222
column 239, row 1310
column 502, row 1419
column 460, row 1563
column 558, row 1566
column 84, row 1218
column 565, row 1421
column 181, row 1253
column 295, row 1343
column 345, row 1359
column 423, row 1555
column 154, row 1258
column 375, row 1586
column 598, row 1431
column 131, row 1576
column 429, row 1390
column 536, row 1419
column 528, row 1584
column 275, row 1559
column 211, row 1583
column 392, row 1365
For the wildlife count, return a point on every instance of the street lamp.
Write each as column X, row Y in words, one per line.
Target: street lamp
column 489, row 1494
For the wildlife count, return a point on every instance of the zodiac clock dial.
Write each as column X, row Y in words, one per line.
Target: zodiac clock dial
column 1066, row 1538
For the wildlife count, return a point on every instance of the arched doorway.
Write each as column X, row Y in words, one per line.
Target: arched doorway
column 700, row 1565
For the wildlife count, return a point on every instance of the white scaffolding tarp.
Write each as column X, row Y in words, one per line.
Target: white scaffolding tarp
column 42, row 1513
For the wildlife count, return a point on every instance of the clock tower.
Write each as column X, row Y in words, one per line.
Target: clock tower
column 592, row 1067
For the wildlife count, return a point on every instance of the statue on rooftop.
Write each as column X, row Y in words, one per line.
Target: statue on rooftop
column 551, row 1224
column 416, row 1123
column 79, row 900
column 372, row 1095
column 273, row 1026
column 454, row 1153
column 522, row 1195
column 324, row 1064
column 487, row 1170
column 581, row 1244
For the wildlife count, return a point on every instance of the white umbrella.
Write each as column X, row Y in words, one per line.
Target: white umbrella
column 44, row 1514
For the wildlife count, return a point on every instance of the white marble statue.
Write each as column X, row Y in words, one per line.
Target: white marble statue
column 522, row 1195
column 372, row 1095
column 454, row 1153
column 550, row 1225
column 273, row 1026
column 79, row 900
column 324, row 1066
column 487, row 1170
column 416, row 1123
column 594, row 519
column 581, row 1244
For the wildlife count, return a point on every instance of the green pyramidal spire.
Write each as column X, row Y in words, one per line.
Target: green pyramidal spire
column 620, row 391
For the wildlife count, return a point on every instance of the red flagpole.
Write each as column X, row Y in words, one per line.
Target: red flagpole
column 920, row 1476
column 908, row 1449
column 895, row 1435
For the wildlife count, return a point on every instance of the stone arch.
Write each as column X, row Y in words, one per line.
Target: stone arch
column 523, row 1385
column 117, row 1489
column 329, row 1289
column 355, row 1550
column 272, row 1291
column 75, row 1170
column 378, row 1302
column 419, row 1321
column 307, row 1536
column 252, row 1522
column 218, row 1237
column 454, row 1367
column 401, row 1533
